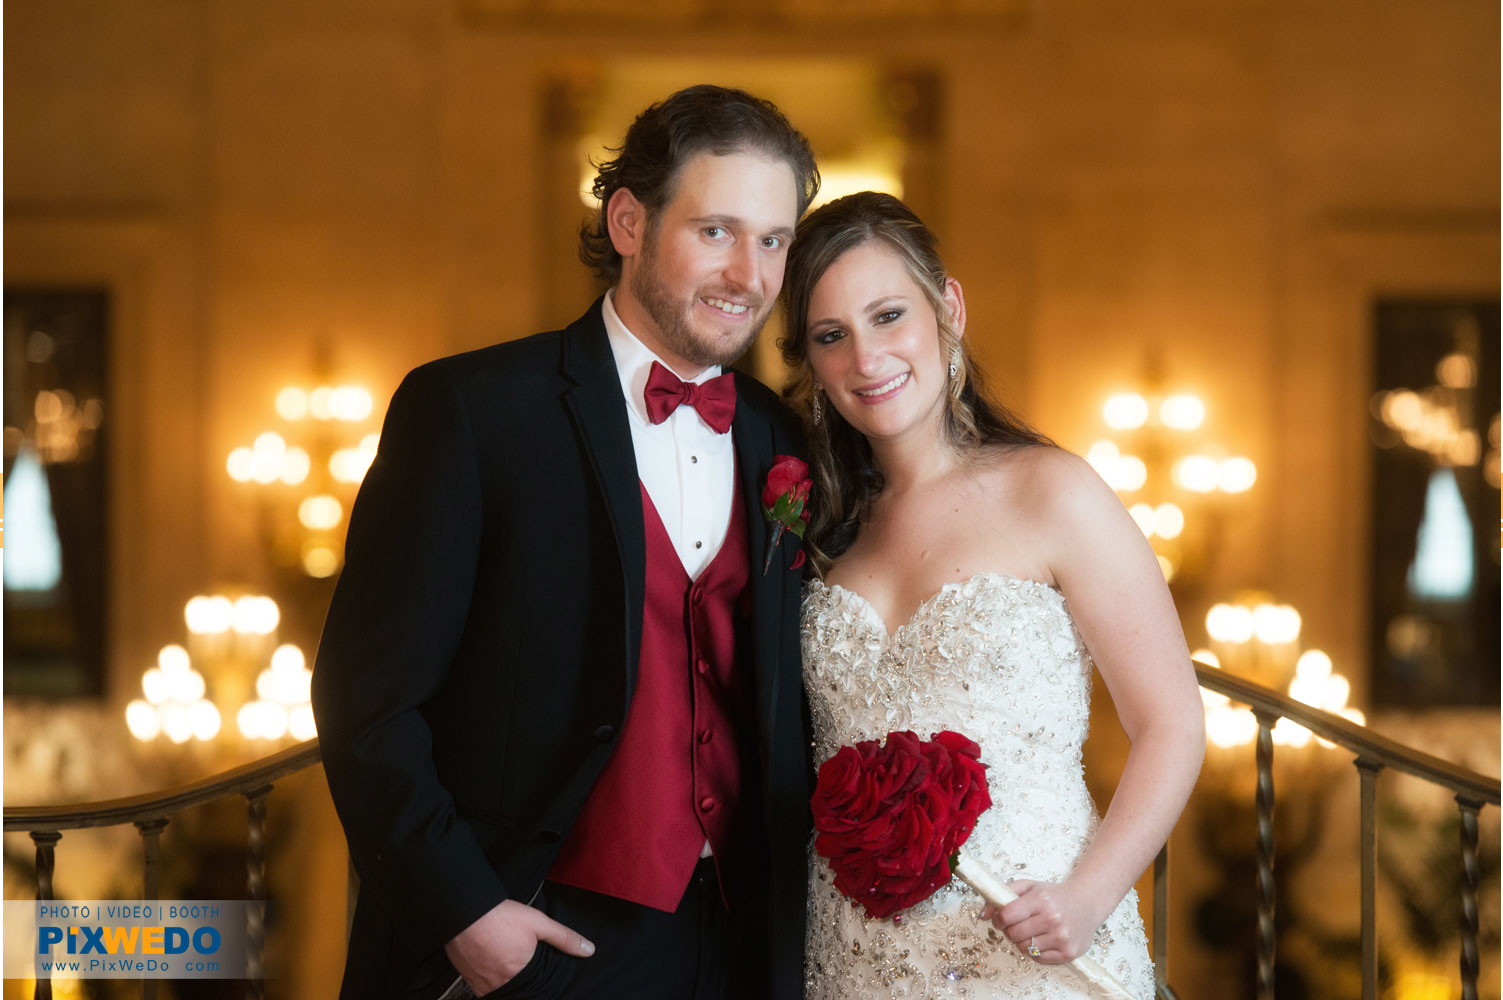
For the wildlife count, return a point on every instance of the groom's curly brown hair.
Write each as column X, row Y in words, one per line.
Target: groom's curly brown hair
column 699, row 119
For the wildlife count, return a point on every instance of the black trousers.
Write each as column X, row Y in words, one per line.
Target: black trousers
column 702, row 951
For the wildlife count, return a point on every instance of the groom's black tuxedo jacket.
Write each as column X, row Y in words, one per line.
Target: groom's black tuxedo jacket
column 480, row 653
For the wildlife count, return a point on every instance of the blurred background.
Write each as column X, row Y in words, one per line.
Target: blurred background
column 1244, row 255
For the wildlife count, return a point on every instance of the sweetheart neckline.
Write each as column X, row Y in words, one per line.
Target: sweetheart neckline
column 892, row 635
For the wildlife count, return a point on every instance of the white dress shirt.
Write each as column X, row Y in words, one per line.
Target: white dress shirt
column 688, row 469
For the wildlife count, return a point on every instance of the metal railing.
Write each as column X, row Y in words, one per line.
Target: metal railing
column 1374, row 754
column 150, row 814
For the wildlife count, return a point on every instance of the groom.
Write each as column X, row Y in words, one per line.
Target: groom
column 557, row 694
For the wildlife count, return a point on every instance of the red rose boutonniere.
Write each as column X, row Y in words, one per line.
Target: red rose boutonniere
column 784, row 504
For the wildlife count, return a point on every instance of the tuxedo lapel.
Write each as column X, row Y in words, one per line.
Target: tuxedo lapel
column 599, row 410
column 754, row 456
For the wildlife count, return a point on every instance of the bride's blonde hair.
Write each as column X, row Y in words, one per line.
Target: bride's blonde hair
column 846, row 478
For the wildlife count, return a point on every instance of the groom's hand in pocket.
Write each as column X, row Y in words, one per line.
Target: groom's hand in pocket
column 493, row 949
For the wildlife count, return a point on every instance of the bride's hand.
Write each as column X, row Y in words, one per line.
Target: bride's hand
column 1057, row 918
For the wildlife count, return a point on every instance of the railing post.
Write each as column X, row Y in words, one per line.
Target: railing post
column 255, row 883
column 1368, row 831
column 1470, row 875
column 1267, row 895
column 46, row 841
column 151, row 845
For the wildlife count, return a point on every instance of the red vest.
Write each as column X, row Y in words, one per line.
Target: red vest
column 684, row 771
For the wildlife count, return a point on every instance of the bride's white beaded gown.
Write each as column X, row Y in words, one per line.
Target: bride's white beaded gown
column 999, row 660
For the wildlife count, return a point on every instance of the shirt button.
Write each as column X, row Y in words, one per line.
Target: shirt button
column 694, row 459
column 699, row 545
column 707, row 804
column 705, row 736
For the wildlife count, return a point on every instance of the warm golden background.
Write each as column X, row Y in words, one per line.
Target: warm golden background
column 284, row 192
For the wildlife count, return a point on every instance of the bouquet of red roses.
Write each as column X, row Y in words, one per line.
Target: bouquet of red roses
column 892, row 816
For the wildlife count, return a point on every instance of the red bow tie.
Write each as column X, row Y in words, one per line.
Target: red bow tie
column 714, row 401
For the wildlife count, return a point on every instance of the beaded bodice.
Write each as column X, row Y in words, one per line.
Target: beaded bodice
column 999, row 660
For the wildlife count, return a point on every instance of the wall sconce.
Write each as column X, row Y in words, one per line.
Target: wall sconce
column 1167, row 478
column 228, row 640
column 1259, row 639
column 302, row 524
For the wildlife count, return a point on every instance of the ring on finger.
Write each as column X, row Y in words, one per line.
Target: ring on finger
column 1033, row 949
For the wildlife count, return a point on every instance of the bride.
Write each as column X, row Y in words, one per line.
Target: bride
column 968, row 573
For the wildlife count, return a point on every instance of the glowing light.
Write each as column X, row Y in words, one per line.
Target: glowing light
column 320, row 513
column 348, row 465
column 1213, row 699
column 1275, row 624
column 204, row 719
column 321, row 403
column 1205, row 656
column 1196, row 473
column 1182, row 412
column 1236, row 475
column 292, row 403
column 262, row 720
column 1228, row 727
column 320, row 561
column 1168, row 520
column 209, row 615
column 256, row 615
column 268, row 451
column 1313, row 664
column 842, row 179
column 288, row 658
column 1402, row 410
column 1103, row 455
column 173, row 658
column 141, row 720
column 1229, row 623
column 295, row 466
column 1125, row 411
column 1456, row 371
column 1131, row 474
column 350, row 402
column 156, row 685
column 300, row 723
column 1338, row 690
column 49, row 407
column 1143, row 514
column 177, row 724
column 187, row 686
column 1464, row 448
column 1166, row 566
column 241, row 465
column 1287, row 732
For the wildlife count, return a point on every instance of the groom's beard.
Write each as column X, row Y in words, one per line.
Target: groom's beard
column 675, row 320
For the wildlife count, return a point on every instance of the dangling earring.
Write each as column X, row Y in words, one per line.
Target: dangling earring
column 814, row 408
column 954, row 364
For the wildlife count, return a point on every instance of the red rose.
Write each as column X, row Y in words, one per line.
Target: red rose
column 788, row 476
column 889, row 815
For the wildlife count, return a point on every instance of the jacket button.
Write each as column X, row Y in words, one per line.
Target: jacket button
column 705, row 735
column 604, row 734
column 698, row 597
column 550, row 836
column 703, row 665
column 707, row 804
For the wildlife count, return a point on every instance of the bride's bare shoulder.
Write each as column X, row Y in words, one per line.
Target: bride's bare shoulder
column 1046, row 481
